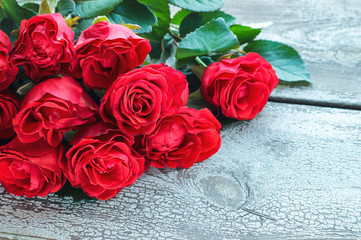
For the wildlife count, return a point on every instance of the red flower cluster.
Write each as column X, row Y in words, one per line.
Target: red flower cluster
column 141, row 121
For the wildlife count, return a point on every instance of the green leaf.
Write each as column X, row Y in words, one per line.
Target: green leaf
column 161, row 10
column 169, row 50
column 244, row 34
column 7, row 26
column 198, row 70
column 100, row 19
column 179, row 16
column 196, row 95
column 44, row 7
column 285, row 60
column 2, row 14
column 94, row 8
column 134, row 27
column 194, row 83
column 164, row 51
column 215, row 36
column 31, row 6
column 131, row 11
column 156, row 49
column 23, row 90
column 23, row 2
column 195, row 20
column 15, row 12
column 198, row 5
column 81, row 26
column 65, row 7
column 159, row 47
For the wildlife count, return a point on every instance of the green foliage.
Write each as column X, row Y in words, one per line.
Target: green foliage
column 81, row 26
column 23, row 2
column 198, row 29
column 198, row 5
column 7, row 26
column 161, row 10
column 195, row 20
column 100, row 19
column 31, row 6
column 215, row 36
column 15, row 12
column 65, row 7
column 287, row 63
column 179, row 16
column 244, row 34
column 94, row 8
column 130, row 11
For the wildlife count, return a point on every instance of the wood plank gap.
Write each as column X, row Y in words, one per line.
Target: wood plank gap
column 306, row 102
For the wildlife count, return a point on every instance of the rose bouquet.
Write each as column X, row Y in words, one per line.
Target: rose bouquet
column 96, row 101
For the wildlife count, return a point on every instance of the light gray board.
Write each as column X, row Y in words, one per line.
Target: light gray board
column 327, row 34
column 294, row 172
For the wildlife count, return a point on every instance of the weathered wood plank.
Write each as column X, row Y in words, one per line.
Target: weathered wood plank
column 327, row 33
column 294, row 172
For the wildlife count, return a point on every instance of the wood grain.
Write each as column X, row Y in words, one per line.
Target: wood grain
column 294, row 172
column 327, row 33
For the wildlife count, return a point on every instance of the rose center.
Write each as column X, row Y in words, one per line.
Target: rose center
column 140, row 103
column 40, row 49
column 22, row 170
column 102, row 165
column 169, row 137
column 54, row 117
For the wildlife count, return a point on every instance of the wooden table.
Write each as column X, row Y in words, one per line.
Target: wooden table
column 294, row 172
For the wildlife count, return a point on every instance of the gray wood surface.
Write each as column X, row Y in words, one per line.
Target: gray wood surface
column 294, row 172
column 327, row 33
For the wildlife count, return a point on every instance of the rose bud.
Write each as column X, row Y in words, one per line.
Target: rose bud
column 104, row 51
column 102, row 161
column 182, row 139
column 8, row 71
column 140, row 97
column 31, row 169
column 9, row 107
column 45, row 46
column 240, row 87
column 51, row 108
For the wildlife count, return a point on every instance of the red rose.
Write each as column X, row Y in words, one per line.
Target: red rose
column 8, row 71
column 45, row 46
column 142, row 96
column 182, row 139
column 102, row 162
column 51, row 108
column 9, row 107
column 239, row 86
column 104, row 51
column 31, row 169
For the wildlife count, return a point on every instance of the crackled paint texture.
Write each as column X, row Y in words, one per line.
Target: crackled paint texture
column 293, row 172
